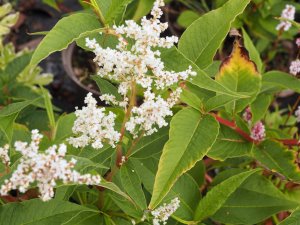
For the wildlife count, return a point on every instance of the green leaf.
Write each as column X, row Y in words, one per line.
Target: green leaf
column 191, row 136
column 188, row 199
column 49, row 108
column 64, row 192
column 229, row 144
column 64, row 127
column 253, row 53
column 111, row 186
column 9, row 114
column 239, row 74
column 102, row 156
column 111, row 11
column 150, row 145
column 277, row 158
column 201, row 40
column 174, row 60
column 260, row 106
column 218, row 195
column 36, row 212
column 85, row 165
column 254, row 201
column 191, row 99
column 116, row 10
column 9, row 20
column 293, row 219
column 131, row 183
column 66, row 31
column 143, row 8
column 14, row 68
column 146, row 169
column 218, row 101
column 5, row 9
column 281, row 79
column 125, row 206
column 187, row 17
column 6, row 126
column 213, row 68
column 51, row 3
column 106, row 87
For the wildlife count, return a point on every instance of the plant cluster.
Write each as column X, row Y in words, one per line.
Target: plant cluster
column 179, row 135
column 18, row 79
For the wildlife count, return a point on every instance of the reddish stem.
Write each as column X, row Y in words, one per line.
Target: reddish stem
column 232, row 125
column 8, row 198
column 208, row 178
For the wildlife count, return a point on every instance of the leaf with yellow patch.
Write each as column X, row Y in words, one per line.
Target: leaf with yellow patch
column 277, row 158
column 239, row 74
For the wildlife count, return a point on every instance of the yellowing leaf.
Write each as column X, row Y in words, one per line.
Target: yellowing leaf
column 239, row 74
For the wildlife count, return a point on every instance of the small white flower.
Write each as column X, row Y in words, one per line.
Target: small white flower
column 93, row 126
column 44, row 169
column 139, row 64
column 123, row 160
column 298, row 42
column 297, row 114
column 287, row 13
column 162, row 214
column 295, row 67
column 111, row 99
column 4, row 157
column 152, row 113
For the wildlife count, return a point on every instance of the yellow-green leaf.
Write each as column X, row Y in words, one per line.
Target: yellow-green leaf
column 239, row 74
column 277, row 158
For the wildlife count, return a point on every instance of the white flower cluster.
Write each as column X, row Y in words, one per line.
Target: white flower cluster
column 4, row 157
column 93, row 126
column 111, row 99
column 289, row 14
column 297, row 114
column 151, row 113
column 162, row 214
column 295, row 67
column 136, row 61
column 44, row 169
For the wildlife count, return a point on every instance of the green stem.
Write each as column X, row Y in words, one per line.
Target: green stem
column 98, row 12
column 292, row 111
column 275, row 219
column 134, row 143
column 80, row 199
column 119, row 153
column 205, row 6
column 2, row 202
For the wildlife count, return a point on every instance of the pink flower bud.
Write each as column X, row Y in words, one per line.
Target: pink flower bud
column 258, row 132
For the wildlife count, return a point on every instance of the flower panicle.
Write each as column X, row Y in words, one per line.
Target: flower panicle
column 137, row 60
column 287, row 13
column 162, row 213
column 44, row 169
